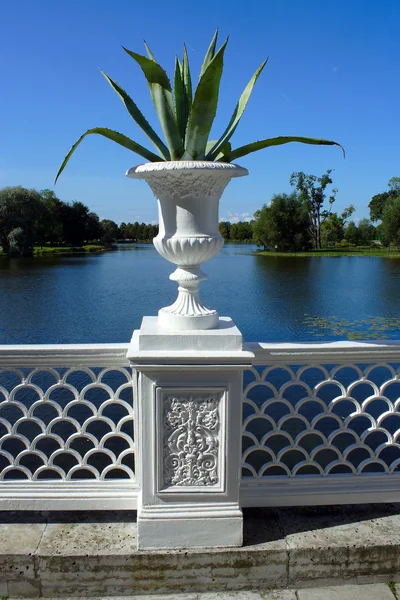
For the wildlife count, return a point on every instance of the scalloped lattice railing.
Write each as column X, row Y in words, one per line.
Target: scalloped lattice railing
column 66, row 424
column 321, row 420
column 310, row 424
column 68, row 431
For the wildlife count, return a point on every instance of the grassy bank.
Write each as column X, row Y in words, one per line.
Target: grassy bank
column 49, row 251
column 384, row 252
column 46, row 250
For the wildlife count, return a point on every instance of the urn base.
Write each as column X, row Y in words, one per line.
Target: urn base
column 167, row 320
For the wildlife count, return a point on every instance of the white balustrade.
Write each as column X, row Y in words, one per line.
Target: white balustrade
column 320, row 425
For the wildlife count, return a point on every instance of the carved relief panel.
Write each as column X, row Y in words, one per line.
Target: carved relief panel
column 191, row 439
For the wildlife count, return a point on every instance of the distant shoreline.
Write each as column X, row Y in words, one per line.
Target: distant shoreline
column 61, row 250
column 331, row 253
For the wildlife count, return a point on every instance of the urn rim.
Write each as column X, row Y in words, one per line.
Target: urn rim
column 145, row 170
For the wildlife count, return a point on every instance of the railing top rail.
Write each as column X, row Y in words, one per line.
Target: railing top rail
column 104, row 355
column 63, row 355
column 343, row 352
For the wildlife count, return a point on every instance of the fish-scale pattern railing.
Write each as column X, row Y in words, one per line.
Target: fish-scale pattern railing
column 321, row 419
column 66, row 424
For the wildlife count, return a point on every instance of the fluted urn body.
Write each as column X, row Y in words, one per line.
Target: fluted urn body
column 188, row 194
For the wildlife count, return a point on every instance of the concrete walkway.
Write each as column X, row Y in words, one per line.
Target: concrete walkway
column 290, row 549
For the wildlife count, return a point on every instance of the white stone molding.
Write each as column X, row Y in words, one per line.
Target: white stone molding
column 188, row 194
column 190, row 407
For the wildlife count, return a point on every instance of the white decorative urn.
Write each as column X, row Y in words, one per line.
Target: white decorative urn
column 188, row 194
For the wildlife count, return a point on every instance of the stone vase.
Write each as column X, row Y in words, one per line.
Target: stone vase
column 188, row 194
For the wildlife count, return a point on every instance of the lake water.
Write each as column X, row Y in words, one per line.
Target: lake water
column 103, row 297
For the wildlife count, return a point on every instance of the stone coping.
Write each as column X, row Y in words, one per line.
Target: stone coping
column 377, row 591
column 93, row 554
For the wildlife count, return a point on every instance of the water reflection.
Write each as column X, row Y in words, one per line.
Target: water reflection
column 286, row 291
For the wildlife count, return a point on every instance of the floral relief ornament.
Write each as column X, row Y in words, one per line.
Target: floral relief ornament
column 191, row 444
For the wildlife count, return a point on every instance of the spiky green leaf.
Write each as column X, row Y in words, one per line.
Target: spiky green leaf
column 149, row 52
column 204, row 108
column 276, row 141
column 153, row 72
column 210, row 145
column 210, row 53
column 119, row 138
column 139, row 118
column 237, row 115
column 225, row 150
column 181, row 103
column 161, row 93
column 187, row 79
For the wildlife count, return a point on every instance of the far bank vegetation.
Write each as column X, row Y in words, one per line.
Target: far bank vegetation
column 33, row 222
column 301, row 221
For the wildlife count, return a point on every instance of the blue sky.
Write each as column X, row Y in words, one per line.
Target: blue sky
column 333, row 72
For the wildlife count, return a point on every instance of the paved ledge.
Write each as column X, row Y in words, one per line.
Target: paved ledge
column 291, row 549
column 380, row 591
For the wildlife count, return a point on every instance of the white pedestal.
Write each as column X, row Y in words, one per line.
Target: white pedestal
column 153, row 338
column 188, row 389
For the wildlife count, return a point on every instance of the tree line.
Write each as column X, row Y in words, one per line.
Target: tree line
column 299, row 221
column 31, row 218
column 240, row 232
column 304, row 219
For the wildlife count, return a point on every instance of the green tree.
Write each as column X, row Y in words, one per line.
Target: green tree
column 380, row 236
column 235, row 232
column 394, row 186
column 246, row 231
column 351, row 233
column 134, row 231
column 79, row 224
column 21, row 210
column 377, row 205
column 50, row 228
column 241, row 231
column 332, row 230
column 224, row 229
column 333, row 227
column 19, row 243
column 109, row 232
column 140, row 231
column 284, row 224
column 123, row 231
column 153, row 231
column 312, row 192
column 145, row 233
column 378, row 202
column 92, row 228
column 391, row 221
column 366, row 232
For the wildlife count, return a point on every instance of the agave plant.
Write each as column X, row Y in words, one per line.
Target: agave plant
column 185, row 117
